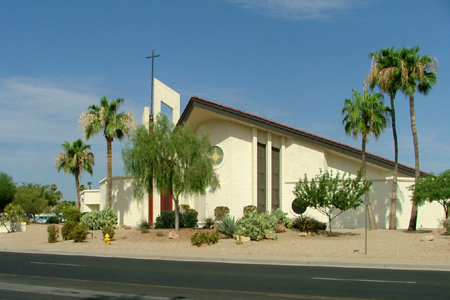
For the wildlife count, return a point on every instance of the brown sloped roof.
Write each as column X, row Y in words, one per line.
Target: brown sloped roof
column 290, row 132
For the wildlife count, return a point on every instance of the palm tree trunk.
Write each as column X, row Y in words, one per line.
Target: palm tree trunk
column 414, row 209
column 77, row 185
column 393, row 213
column 373, row 225
column 109, row 172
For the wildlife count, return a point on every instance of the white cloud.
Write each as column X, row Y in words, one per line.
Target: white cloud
column 40, row 110
column 299, row 9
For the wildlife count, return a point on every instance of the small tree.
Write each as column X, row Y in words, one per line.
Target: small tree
column 12, row 216
column 31, row 198
column 7, row 190
column 433, row 188
column 175, row 159
column 329, row 195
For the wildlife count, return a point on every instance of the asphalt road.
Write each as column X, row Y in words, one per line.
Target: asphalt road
column 43, row 276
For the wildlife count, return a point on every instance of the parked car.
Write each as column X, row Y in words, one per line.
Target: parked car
column 41, row 219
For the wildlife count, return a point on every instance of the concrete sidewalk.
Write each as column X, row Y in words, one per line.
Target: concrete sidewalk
column 241, row 259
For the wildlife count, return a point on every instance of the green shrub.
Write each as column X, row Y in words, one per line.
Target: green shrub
column 256, row 226
column 209, row 223
column 67, row 229
column 95, row 220
column 205, row 237
column 145, row 224
column 108, row 230
column 79, row 233
column 165, row 220
column 184, row 207
column 227, row 226
column 446, row 224
column 53, row 231
column 309, row 224
column 71, row 214
column 282, row 217
column 159, row 234
column 221, row 212
column 250, row 208
column 189, row 219
column 53, row 220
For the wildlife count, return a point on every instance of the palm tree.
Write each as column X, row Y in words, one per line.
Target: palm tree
column 385, row 73
column 417, row 73
column 364, row 115
column 89, row 184
column 74, row 159
column 113, row 124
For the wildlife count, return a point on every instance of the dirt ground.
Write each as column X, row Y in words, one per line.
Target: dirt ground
column 421, row 245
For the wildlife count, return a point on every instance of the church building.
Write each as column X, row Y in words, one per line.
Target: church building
column 259, row 161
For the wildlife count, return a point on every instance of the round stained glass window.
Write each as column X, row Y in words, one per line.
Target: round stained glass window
column 216, row 156
column 298, row 209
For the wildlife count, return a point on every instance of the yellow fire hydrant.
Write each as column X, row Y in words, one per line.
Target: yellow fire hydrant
column 107, row 239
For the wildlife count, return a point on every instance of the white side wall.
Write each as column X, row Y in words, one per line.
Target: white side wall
column 238, row 178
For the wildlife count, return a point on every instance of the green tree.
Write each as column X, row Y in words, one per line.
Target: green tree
column 12, row 217
column 331, row 195
column 52, row 194
column 418, row 73
column 365, row 115
column 106, row 118
column 7, row 190
column 30, row 197
column 75, row 159
column 89, row 184
column 432, row 188
column 175, row 159
column 385, row 73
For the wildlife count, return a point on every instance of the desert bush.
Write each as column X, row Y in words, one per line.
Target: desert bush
column 53, row 231
column 282, row 217
column 184, row 208
column 446, row 224
column 221, row 212
column 53, row 220
column 95, row 219
column 67, row 229
column 189, row 219
column 309, row 224
column 145, row 224
column 71, row 214
column 167, row 220
column 204, row 237
column 209, row 223
column 256, row 226
column 79, row 233
column 227, row 226
column 250, row 208
column 108, row 230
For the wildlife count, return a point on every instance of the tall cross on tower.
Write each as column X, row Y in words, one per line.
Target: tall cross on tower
column 153, row 64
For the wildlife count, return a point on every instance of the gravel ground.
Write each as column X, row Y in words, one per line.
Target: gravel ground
column 421, row 245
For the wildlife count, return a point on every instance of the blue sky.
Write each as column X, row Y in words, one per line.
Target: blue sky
column 290, row 61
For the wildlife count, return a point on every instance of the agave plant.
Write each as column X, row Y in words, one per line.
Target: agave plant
column 227, row 226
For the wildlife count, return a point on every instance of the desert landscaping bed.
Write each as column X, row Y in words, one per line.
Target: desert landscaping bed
column 421, row 245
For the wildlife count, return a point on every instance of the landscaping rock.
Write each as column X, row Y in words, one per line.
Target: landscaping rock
column 427, row 238
column 243, row 238
column 303, row 234
column 173, row 235
column 280, row 228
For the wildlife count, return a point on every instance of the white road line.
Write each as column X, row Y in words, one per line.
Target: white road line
column 68, row 265
column 364, row 280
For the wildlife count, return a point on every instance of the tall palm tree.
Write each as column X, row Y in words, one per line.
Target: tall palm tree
column 74, row 159
column 364, row 115
column 113, row 124
column 385, row 73
column 418, row 73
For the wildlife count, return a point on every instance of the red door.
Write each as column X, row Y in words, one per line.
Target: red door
column 166, row 202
